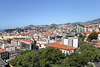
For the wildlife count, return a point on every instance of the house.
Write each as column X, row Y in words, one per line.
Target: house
column 79, row 28
column 10, row 48
column 85, row 29
column 97, row 44
column 12, row 53
column 98, row 36
column 64, row 48
column 86, row 34
column 41, row 44
column 4, row 54
column 70, row 40
column 14, row 42
column 95, row 29
column 27, row 44
column 1, row 44
column 90, row 29
column 7, row 46
column 68, row 44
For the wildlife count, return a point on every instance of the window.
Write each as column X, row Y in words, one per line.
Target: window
column 64, row 51
column 40, row 45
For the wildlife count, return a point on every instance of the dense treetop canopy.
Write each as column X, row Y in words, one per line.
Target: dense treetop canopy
column 51, row 57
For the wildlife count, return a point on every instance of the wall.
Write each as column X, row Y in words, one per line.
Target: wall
column 70, row 41
column 75, row 43
column 65, row 41
column 10, row 48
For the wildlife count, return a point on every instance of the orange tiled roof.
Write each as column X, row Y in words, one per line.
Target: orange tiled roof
column 28, row 40
column 89, row 32
column 97, row 43
column 14, row 40
column 3, row 50
column 61, row 46
column 37, row 43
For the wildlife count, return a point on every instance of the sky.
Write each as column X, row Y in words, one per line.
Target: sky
column 20, row 13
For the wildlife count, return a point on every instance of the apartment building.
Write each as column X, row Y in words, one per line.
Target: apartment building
column 4, row 54
column 68, row 44
column 27, row 44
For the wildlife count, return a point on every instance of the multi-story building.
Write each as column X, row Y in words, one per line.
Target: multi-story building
column 64, row 48
column 27, row 44
column 70, row 41
column 78, row 29
column 14, row 42
column 12, row 53
column 85, row 29
column 4, row 54
column 67, row 45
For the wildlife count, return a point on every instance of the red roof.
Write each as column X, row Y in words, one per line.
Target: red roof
column 89, row 32
column 97, row 43
column 2, row 50
column 14, row 40
column 37, row 43
column 28, row 40
column 58, row 42
column 61, row 46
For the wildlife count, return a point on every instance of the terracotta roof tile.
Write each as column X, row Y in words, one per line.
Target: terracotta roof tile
column 89, row 32
column 2, row 50
column 97, row 43
column 28, row 40
column 61, row 46
column 14, row 40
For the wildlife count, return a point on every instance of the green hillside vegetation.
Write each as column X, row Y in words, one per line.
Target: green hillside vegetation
column 51, row 57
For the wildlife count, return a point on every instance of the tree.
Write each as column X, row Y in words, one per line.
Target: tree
column 90, row 65
column 77, row 60
column 81, row 36
column 13, row 62
column 50, row 56
column 58, row 36
column 52, row 38
column 27, row 58
column 75, row 34
column 92, row 36
column 35, row 58
column 30, row 60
